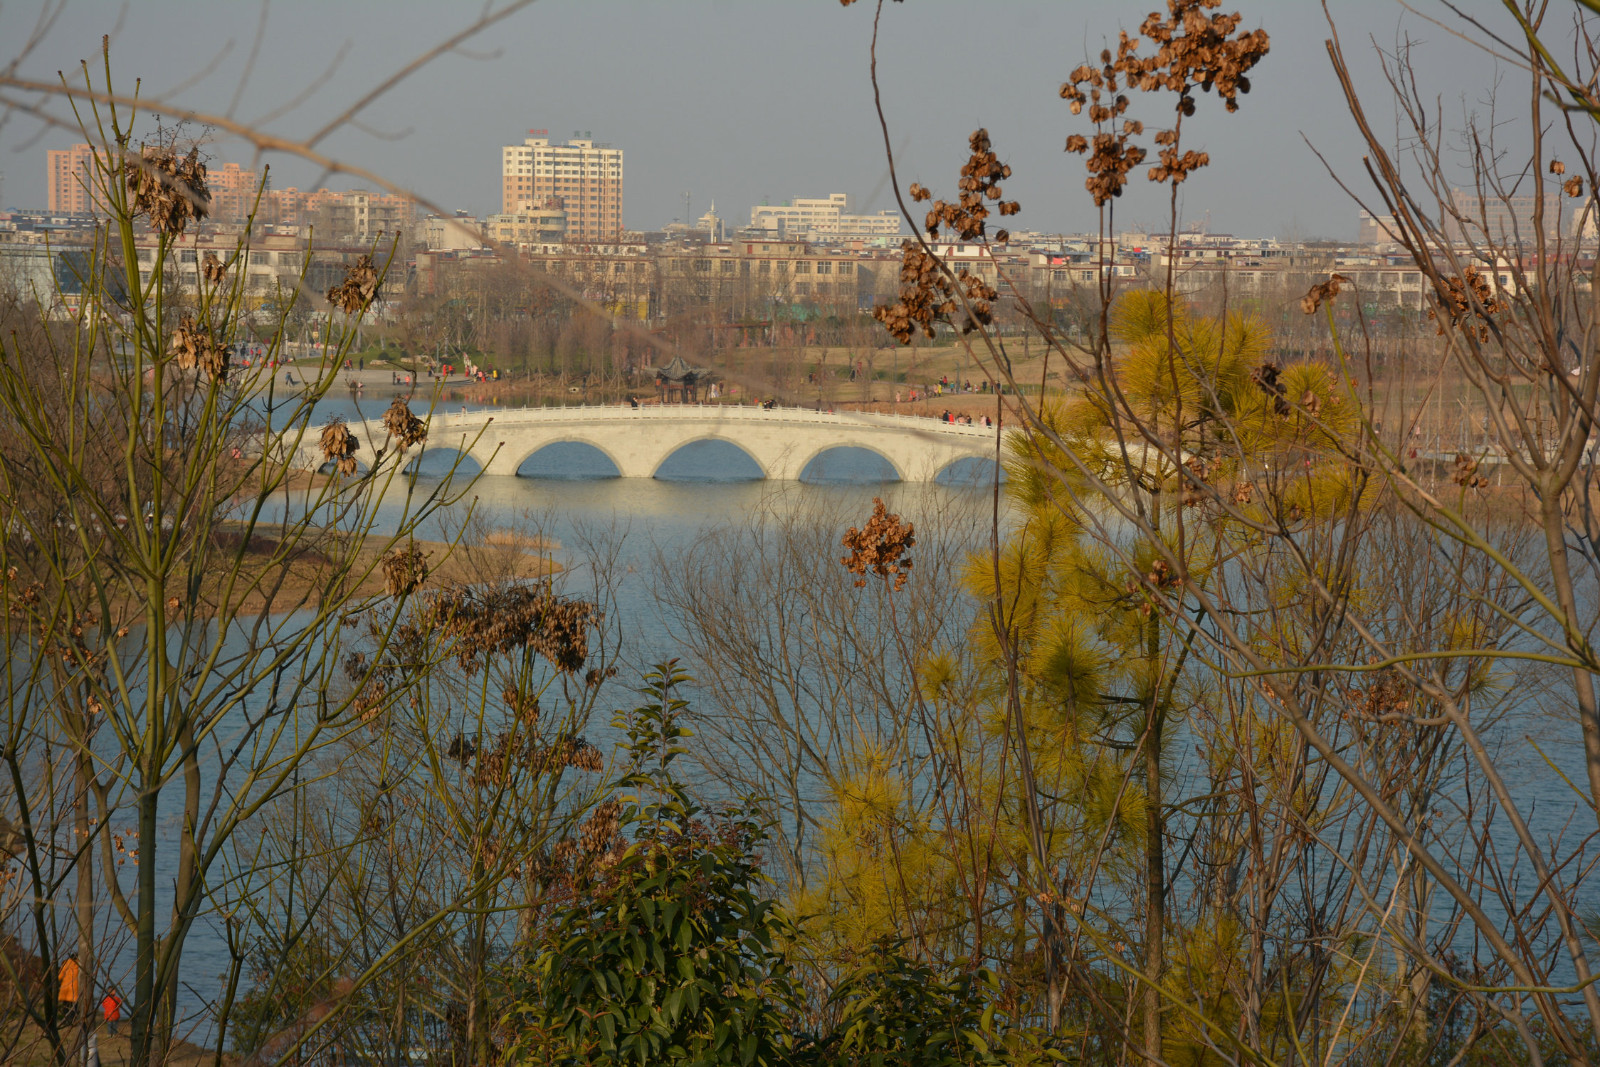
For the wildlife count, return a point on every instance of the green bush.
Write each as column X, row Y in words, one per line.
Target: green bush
column 668, row 953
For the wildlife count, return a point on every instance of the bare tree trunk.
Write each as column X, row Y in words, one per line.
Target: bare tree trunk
column 1155, row 899
column 83, row 904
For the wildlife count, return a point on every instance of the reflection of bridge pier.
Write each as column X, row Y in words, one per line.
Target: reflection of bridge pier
column 638, row 440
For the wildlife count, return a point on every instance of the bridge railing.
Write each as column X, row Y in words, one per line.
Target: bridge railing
column 740, row 412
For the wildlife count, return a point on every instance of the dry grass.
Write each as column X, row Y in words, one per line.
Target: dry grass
column 276, row 580
column 31, row 1050
column 522, row 542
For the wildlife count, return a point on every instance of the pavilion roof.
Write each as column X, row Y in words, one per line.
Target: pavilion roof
column 678, row 371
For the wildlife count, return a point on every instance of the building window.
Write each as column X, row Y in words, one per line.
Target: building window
column 258, row 259
column 847, row 268
column 702, row 265
column 801, row 289
column 727, row 266
column 802, row 268
column 824, row 268
column 186, row 256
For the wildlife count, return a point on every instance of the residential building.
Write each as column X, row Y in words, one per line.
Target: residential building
column 529, row 226
column 346, row 215
column 71, row 180
column 1376, row 230
column 233, row 192
column 829, row 219
column 272, row 266
column 1503, row 221
column 583, row 175
column 442, row 233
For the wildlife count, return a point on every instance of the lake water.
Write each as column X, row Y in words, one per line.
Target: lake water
column 704, row 485
column 566, row 493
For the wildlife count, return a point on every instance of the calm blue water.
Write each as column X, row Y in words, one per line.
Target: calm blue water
column 573, row 501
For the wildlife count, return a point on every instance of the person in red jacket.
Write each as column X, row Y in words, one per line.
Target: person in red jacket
column 111, row 1009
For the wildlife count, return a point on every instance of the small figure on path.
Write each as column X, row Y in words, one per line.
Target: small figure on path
column 111, row 1010
column 67, row 992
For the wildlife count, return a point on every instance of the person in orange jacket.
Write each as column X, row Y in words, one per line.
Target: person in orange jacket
column 67, row 993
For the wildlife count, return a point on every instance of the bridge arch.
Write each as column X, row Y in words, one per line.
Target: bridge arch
column 643, row 443
column 569, row 439
column 435, row 461
column 834, row 446
column 764, row 468
column 966, row 472
column 328, row 468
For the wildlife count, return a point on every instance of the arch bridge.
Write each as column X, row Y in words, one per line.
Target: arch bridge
column 637, row 441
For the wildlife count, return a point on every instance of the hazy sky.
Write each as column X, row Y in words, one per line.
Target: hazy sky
column 744, row 100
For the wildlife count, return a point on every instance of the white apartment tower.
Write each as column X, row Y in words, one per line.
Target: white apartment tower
column 582, row 175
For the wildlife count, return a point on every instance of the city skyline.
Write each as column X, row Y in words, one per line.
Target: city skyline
column 747, row 104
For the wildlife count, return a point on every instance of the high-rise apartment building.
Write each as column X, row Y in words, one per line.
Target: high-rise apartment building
column 584, row 175
column 71, row 180
column 233, row 192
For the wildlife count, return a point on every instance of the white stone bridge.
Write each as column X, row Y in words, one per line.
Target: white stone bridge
column 638, row 440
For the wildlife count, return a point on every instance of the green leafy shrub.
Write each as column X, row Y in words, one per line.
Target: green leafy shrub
column 667, row 953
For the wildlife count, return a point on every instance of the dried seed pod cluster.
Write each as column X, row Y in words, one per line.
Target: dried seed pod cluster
column 1322, row 291
column 1160, row 577
column 1197, row 50
column 880, row 547
column 1194, row 50
column 515, row 616
column 402, row 425
column 1174, row 167
column 1469, row 297
column 404, row 570
column 359, row 288
column 1108, row 165
column 927, row 289
column 599, row 831
column 1266, row 379
column 192, row 347
column 339, row 447
column 213, row 270
column 1465, row 473
column 1114, row 154
column 928, row 295
column 171, row 191
column 980, row 179
column 1201, row 472
column 525, row 706
column 1389, row 695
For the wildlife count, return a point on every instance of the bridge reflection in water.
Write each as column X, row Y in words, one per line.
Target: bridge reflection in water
column 785, row 443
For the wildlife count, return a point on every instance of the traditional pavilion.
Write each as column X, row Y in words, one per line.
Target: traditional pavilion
column 679, row 383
